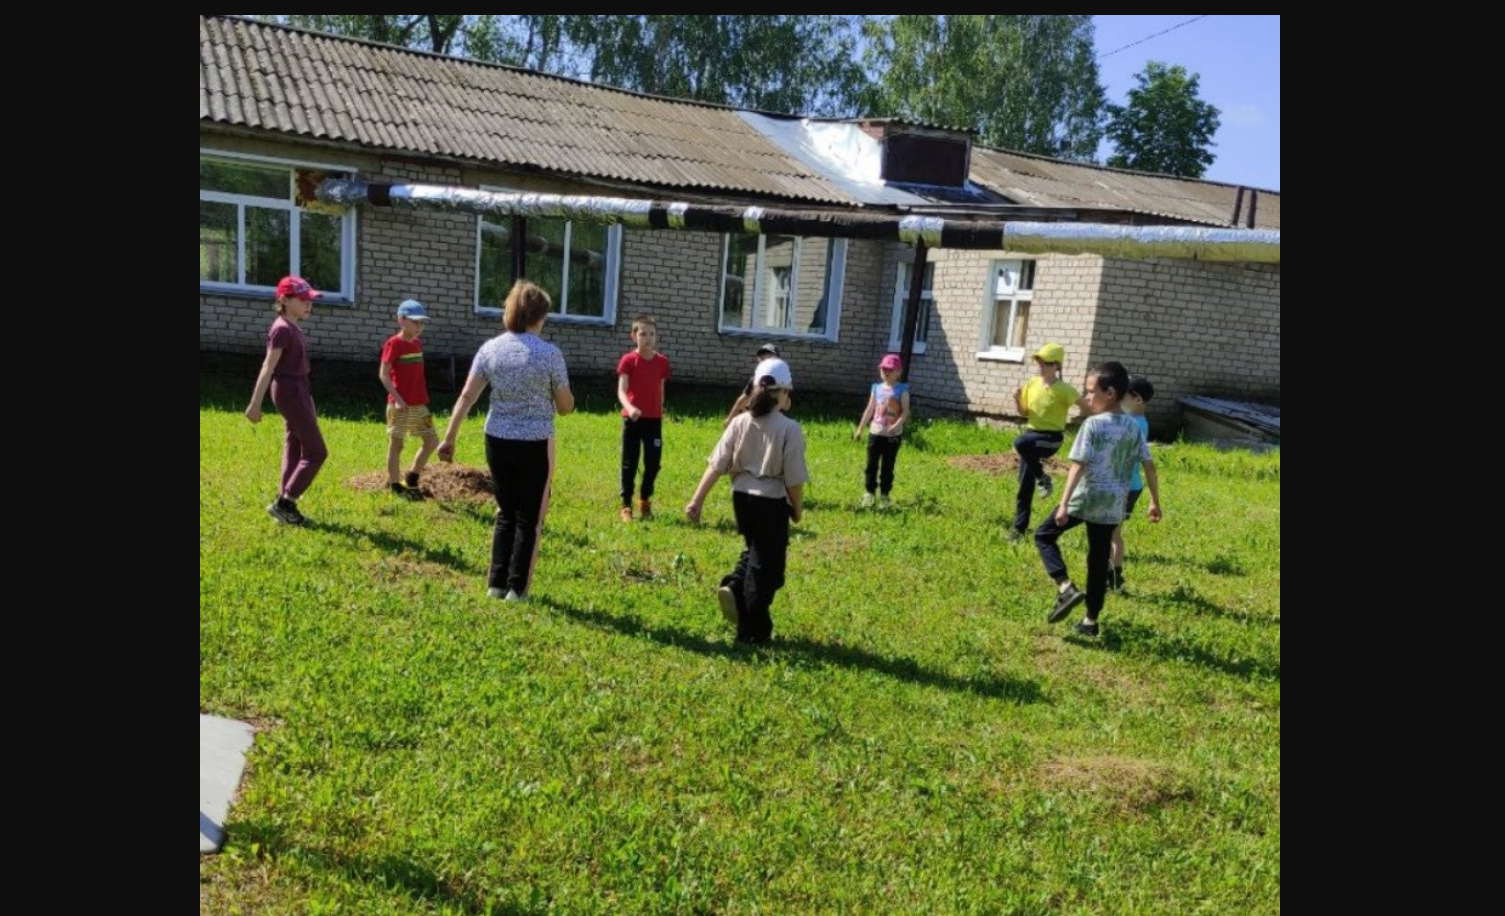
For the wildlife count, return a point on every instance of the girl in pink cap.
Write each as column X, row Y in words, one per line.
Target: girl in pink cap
column 285, row 373
column 887, row 410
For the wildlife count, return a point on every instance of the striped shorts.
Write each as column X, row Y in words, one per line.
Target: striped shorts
column 413, row 420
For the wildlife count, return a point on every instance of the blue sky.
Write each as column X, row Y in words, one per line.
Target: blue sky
column 1238, row 58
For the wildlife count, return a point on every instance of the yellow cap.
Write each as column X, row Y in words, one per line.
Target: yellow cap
column 1051, row 353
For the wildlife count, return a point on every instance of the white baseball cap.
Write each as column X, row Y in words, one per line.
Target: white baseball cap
column 778, row 369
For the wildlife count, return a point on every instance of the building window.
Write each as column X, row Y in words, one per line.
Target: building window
column 252, row 234
column 1005, row 323
column 576, row 263
column 901, row 296
column 781, row 284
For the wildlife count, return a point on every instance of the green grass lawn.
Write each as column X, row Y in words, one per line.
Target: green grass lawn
column 918, row 740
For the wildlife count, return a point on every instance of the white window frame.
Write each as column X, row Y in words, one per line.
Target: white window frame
column 608, row 316
column 756, row 300
column 345, row 295
column 901, row 296
column 1003, row 283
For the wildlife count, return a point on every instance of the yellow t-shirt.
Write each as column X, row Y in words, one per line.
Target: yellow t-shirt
column 1046, row 405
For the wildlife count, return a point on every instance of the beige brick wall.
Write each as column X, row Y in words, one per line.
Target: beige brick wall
column 949, row 375
column 1192, row 327
column 675, row 278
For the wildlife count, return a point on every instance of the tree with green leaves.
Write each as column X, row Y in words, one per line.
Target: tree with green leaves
column 793, row 64
column 1027, row 83
column 1165, row 127
column 429, row 33
column 537, row 42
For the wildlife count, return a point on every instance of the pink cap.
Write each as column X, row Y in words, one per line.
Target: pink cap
column 296, row 287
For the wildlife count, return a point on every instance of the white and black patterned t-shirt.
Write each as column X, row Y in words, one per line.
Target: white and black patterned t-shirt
column 524, row 372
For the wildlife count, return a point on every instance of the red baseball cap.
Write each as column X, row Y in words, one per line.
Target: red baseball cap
column 297, row 287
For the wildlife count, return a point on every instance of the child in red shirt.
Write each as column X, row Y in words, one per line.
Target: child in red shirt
column 401, row 373
column 641, row 375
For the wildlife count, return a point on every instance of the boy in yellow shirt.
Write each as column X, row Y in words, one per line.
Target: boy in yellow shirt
column 1043, row 401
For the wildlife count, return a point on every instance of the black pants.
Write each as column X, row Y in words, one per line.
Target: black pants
column 520, row 470
column 650, row 435
column 1099, row 546
column 764, row 525
column 1033, row 448
column 882, row 451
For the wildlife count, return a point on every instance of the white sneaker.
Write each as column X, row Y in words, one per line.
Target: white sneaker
column 883, row 503
column 496, row 593
column 867, row 501
column 728, row 602
column 514, row 596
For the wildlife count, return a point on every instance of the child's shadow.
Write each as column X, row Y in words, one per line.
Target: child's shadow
column 401, row 546
column 1185, row 596
column 1221, row 565
column 817, row 653
column 1121, row 635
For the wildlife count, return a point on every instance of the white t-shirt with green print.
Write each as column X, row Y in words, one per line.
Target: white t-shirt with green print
column 1109, row 447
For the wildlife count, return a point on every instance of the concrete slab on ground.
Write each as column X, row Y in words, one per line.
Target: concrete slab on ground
column 222, row 759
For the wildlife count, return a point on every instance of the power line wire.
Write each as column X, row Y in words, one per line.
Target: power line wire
column 1148, row 37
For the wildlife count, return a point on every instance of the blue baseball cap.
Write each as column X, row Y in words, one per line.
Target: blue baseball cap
column 412, row 308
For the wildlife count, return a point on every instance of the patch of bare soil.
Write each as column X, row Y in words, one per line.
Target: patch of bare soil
column 1126, row 782
column 440, row 481
column 1001, row 463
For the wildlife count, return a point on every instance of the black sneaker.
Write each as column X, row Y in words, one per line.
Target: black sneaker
column 1045, row 487
column 285, row 511
column 1087, row 628
column 412, row 480
column 1065, row 601
column 402, row 491
column 1015, row 534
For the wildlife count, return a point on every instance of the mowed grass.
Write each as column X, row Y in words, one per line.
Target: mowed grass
column 918, row 740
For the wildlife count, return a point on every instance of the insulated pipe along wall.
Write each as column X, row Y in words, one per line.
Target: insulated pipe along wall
column 1180, row 242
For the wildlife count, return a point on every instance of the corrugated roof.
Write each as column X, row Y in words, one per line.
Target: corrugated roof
column 1045, row 182
column 270, row 77
column 254, row 74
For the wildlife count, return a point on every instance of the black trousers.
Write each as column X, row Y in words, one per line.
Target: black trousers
column 649, row 436
column 763, row 523
column 520, row 470
column 1099, row 547
column 1033, row 448
column 882, row 452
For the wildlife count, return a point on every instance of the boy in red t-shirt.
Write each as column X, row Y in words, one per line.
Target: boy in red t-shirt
column 641, row 375
column 401, row 373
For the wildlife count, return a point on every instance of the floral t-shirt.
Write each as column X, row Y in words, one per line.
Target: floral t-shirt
column 1108, row 445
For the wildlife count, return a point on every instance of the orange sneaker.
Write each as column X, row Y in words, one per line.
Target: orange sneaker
column 645, row 509
column 627, row 513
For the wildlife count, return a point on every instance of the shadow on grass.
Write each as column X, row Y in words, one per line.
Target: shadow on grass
column 816, row 653
column 918, row 504
column 1220, row 565
column 1185, row 596
column 1123, row 635
column 393, row 873
column 401, row 546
